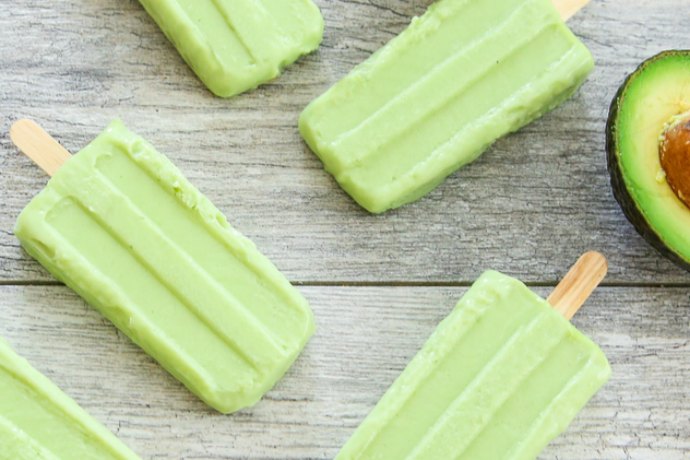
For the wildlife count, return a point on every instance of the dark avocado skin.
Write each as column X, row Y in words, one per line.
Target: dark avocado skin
column 620, row 191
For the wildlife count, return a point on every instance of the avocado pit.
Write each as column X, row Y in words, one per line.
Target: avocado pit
column 674, row 155
column 648, row 152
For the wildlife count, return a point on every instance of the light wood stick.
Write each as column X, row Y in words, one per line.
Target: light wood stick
column 38, row 145
column 568, row 8
column 578, row 284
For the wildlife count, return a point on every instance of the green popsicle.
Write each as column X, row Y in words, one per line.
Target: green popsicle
column 500, row 377
column 120, row 225
column 236, row 45
column 40, row 422
column 435, row 97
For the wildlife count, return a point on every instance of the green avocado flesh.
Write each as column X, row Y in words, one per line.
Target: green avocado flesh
column 650, row 97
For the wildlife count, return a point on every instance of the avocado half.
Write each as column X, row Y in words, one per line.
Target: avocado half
column 652, row 98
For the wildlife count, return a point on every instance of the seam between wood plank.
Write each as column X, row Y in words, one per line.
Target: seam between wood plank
column 393, row 284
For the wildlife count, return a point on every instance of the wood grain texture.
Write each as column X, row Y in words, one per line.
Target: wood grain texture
column 365, row 336
column 529, row 207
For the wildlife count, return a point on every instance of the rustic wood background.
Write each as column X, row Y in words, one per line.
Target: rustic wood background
column 378, row 284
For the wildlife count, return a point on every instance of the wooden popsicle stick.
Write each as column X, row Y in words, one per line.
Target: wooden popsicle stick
column 578, row 284
column 38, row 145
column 568, row 8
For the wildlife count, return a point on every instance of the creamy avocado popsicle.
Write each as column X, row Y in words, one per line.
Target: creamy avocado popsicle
column 120, row 224
column 435, row 97
column 500, row 377
column 236, row 45
column 40, row 422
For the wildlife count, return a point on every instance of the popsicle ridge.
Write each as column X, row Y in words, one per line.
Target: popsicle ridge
column 358, row 101
column 554, row 418
column 140, row 156
column 114, row 302
column 414, row 158
column 18, row 445
column 431, row 101
column 235, row 45
column 418, row 102
column 420, row 389
column 186, row 283
column 443, row 160
column 39, row 421
column 491, row 382
column 180, row 284
column 502, row 376
column 141, row 267
column 219, row 5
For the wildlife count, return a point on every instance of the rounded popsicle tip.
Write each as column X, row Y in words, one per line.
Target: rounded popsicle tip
column 568, row 8
column 20, row 127
column 37, row 144
column 579, row 283
column 595, row 260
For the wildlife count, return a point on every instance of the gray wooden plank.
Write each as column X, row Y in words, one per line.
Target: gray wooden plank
column 529, row 206
column 364, row 338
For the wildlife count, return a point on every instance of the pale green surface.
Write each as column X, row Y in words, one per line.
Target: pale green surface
column 121, row 226
column 657, row 93
column 500, row 377
column 436, row 96
column 40, row 422
column 236, row 45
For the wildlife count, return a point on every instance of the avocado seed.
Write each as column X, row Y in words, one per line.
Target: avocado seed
column 674, row 154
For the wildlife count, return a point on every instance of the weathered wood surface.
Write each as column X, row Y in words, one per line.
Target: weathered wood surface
column 529, row 207
column 364, row 338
